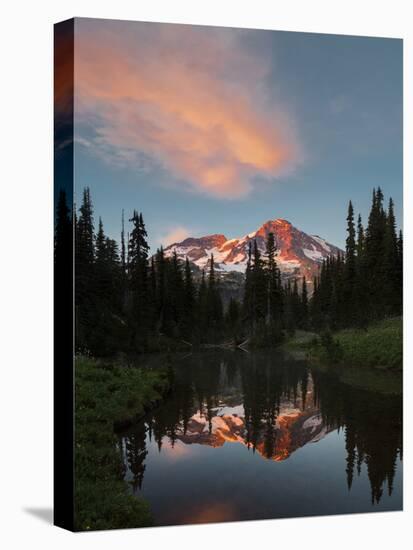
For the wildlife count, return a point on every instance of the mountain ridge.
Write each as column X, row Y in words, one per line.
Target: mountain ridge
column 298, row 253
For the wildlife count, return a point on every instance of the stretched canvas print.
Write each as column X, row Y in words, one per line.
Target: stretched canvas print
column 228, row 274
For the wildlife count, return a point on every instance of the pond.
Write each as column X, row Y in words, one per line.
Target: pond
column 259, row 435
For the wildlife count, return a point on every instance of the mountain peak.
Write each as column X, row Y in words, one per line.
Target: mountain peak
column 281, row 221
column 298, row 254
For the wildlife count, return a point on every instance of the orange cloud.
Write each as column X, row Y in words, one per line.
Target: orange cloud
column 174, row 235
column 187, row 99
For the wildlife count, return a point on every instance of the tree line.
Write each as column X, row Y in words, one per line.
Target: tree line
column 127, row 300
column 365, row 284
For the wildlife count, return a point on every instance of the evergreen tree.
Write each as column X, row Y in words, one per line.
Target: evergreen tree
column 274, row 289
column 85, row 231
column 175, row 293
column 202, row 308
column 314, row 306
column 349, row 305
column 107, row 333
column 138, row 247
column 391, row 281
column 360, row 291
column 188, row 319
column 360, row 238
column 215, row 308
column 304, row 305
column 100, row 243
column 400, row 271
column 161, row 313
column 138, row 250
column 289, row 319
column 153, row 297
column 248, row 298
column 259, row 288
column 84, row 271
column 374, row 242
column 367, row 284
column 123, row 263
column 296, row 304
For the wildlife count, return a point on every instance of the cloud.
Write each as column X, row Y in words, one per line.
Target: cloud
column 174, row 235
column 188, row 100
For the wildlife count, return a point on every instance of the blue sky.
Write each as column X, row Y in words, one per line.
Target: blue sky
column 211, row 130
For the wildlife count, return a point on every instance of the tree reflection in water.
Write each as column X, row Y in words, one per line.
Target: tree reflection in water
column 274, row 405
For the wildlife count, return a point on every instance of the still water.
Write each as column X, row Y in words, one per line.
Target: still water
column 262, row 435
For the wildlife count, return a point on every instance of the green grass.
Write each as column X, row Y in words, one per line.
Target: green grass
column 301, row 340
column 107, row 397
column 380, row 346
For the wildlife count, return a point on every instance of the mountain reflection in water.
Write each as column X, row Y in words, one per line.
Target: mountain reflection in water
column 270, row 405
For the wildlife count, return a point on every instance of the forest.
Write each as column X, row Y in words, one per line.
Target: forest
column 127, row 300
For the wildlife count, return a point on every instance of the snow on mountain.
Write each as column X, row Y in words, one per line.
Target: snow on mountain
column 298, row 253
column 294, row 427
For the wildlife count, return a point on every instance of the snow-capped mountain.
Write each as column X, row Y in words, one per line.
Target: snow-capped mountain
column 298, row 253
column 294, row 427
column 292, row 430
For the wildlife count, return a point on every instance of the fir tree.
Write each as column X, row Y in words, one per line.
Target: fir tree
column 367, row 284
column 175, row 292
column 304, row 305
column 202, row 308
column 160, row 272
column 289, row 319
column 374, row 255
column 400, row 271
column 259, row 288
column 248, row 298
column 360, row 290
column 360, row 238
column 349, row 271
column 274, row 290
column 314, row 306
column 138, row 250
column 84, row 271
column 391, row 281
column 215, row 309
column 188, row 318
column 296, row 304
column 153, row 296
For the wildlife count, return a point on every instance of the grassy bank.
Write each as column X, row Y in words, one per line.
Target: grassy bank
column 380, row 346
column 108, row 397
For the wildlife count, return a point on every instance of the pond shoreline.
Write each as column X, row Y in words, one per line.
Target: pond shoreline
column 378, row 346
column 108, row 398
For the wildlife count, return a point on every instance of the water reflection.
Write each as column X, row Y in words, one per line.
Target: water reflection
column 373, row 429
column 271, row 405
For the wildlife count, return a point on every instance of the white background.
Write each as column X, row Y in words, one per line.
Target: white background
column 26, row 271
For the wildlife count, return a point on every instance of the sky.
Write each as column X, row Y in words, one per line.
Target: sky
column 217, row 130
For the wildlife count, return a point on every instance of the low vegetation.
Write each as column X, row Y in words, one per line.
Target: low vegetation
column 109, row 397
column 380, row 346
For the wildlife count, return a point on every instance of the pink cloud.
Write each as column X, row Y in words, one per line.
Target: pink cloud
column 190, row 100
column 174, row 235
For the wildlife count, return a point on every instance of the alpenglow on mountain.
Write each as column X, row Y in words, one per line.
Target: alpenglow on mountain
column 298, row 253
